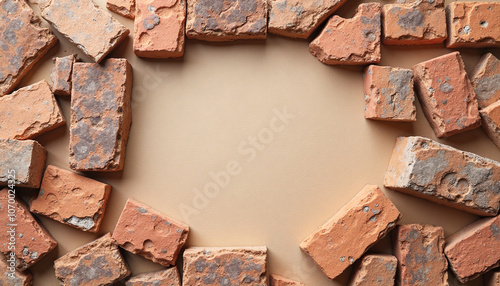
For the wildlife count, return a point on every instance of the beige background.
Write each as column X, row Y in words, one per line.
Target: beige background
column 191, row 115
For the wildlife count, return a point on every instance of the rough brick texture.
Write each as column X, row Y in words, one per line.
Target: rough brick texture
column 446, row 95
column 445, row 175
column 491, row 122
column 61, row 75
column 354, row 41
column 126, row 8
column 71, row 199
column 276, row 280
column 100, row 115
column 492, row 278
column 366, row 219
column 26, row 158
column 375, row 269
column 485, row 79
column 166, row 277
column 13, row 278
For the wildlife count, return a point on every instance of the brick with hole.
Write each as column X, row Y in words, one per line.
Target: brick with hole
column 22, row 162
column 61, row 75
column 485, row 79
column 165, row 277
column 276, row 280
column 373, row 270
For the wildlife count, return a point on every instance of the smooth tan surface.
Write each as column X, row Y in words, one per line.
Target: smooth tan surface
column 191, row 115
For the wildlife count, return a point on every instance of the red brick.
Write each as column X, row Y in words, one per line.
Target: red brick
column 366, row 219
column 414, row 23
column 276, row 280
column 419, row 250
column 225, row 266
column 101, row 33
column 61, row 75
column 159, row 28
column 473, row 24
column 491, row 121
column 492, row 278
column 166, row 277
column 126, row 8
column 354, row 41
column 473, row 250
column 389, row 94
column 100, row 115
column 96, row 263
column 71, row 199
column 147, row 232
column 12, row 277
column 446, row 95
column 26, row 158
column 485, row 79
column 24, row 43
column 375, row 269
column 32, row 240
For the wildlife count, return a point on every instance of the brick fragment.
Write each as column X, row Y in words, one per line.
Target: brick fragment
column 24, row 42
column 12, row 277
column 354, row 41
column 165, row 277
column 446, row 95
column 299, row 18
column 414, row 23
column 147, row 232
column 492, row 278
column 389, row 94
column 225, row 266
column 101, row 34
column 485, row 79
column 33, row 241
column 419, row 251
column 100, row 115
column 126, row 8
column 26, row 158
column 375, row 269
column 96, row 263
column 159, row 28
column 276, row 280
column 366, row 219
column 61, row 75
column 425, row 168
column 226, row 20
column 491, row 122
column 71, row 199
column 473, row 24
column 473, row 250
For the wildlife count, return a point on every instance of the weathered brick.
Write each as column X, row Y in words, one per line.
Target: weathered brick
column 485, row 79
column 24, row 42
column 126, row 8
column 473, row 24
column 276, row 280
column 414, row 23
column 26, row 158
column 100, row 115
column 225, row 266
column 165, row 277
column 473, row 250
column 226, row 20
column 344, row 238
column 12, row 277
column 71, row 199
column 389, row 94
column 32, row 240
column 492, row 278
column 445, row 175
column 419, row 251
column 299, row 18
column 159, row 28
column 446, row 95
column 101, row 33
column 375, row 269
column 147, row 232
column 491, row 122
column 96, row 263
column 61, row 75
column 354, row 41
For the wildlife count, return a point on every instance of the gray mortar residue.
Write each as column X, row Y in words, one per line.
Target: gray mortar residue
column 10, row 6
column 401, row 80
column 425, row 170
column 151, row 22
column 10, row 31
column 233, row 268
column 487, row 87
column 411, row 20
column 84, row 275
column 86, row 144
column 84, row 223
column 142, row 210
column 446, row 87
column 495, row 230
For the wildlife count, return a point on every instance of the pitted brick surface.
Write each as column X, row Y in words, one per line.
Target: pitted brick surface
column 61, row 75
column 26, row 158
column 375, row 269
column 485, row 79
column 166, row 277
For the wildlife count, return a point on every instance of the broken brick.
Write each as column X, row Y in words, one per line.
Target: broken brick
column 492, row 278
column 98, row 262
column 126, row 8
column 225, row 266
column 375, row 269
column 61, row 75
column 419, row 251
column 473, row 24
column 226, row 20
column 159, row 28
column 165, row 277
column 71, row 199
column 354, row 41
column 491, row 122
column 24, row 42
column 13, row 278
column 101, row 34
column 147, row 232
column 446, row 95
column 473, row 250
column 276, row 280
column 389, row 94
column 344, row 238
column 100, row 115
column 485, row 79
column 425, row 168
column 21, row 162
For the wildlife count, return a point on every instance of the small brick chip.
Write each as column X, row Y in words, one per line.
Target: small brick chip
column 96, row 263
column 32, row 240
column 419, row 251
column 13, row 278
column 354, row 41
column 366, row 219
column 473, row 250
column 100, row 115
column 25, row 158
column 165, row 277
column 61, row 75
column 71, row 199
column 375, row 269
column 147, row 232
column 225, row 266
column 126, row 8
column 491, row 121
column 276, row 280
column 425, row 168
column 446, row 95
column 485, row 79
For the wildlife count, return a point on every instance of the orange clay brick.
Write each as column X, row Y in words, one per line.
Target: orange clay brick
column 126, row 8
column 276, row 280
column 9, row 276
column 165, row 277
column 491, row 121
column 61, row 75
column 21, row 162
column 485, row 79
column 375, row 269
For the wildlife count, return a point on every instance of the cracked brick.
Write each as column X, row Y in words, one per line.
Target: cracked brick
column 61, row 75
